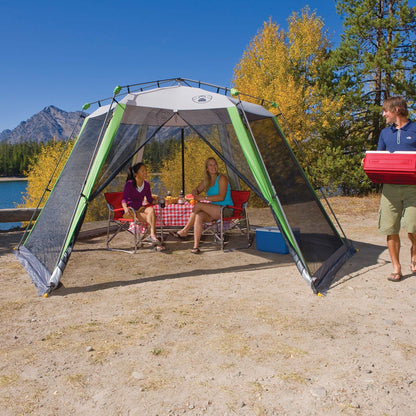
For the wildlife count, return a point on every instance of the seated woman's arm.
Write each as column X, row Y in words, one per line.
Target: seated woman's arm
column 198, row 189
column 148, row 194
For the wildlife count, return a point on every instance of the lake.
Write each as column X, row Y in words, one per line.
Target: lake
column 10, row 195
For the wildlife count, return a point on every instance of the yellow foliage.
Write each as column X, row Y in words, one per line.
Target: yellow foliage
column 196, row 152
column 41, row 169
column 284, row 68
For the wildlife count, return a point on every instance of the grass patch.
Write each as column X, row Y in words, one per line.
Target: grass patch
column 77, row 380
column 154, row 384
column 293, row 378
column 8, row 380
column 234, row 344
column 8, row 307
column 159, row 352
column 408, row 350
column 345, row 205
column 286, row 351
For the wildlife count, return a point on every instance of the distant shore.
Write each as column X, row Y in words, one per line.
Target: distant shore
column 11, row 179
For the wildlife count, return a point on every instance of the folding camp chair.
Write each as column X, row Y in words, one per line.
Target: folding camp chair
column 139, row 230
column 238, row 220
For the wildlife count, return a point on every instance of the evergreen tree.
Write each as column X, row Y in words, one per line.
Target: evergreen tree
column 374, row 60
column 15, row 158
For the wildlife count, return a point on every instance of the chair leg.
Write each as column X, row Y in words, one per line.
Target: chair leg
column 135, row 238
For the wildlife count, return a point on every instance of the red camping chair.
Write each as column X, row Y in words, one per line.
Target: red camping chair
column 138, row 229
column 237, row 221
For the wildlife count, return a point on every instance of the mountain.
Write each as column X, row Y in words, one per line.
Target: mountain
column 43, row 126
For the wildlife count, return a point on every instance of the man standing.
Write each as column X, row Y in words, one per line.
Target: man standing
column 398, row 201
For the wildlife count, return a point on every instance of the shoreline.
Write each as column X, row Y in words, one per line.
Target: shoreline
column 11, row 179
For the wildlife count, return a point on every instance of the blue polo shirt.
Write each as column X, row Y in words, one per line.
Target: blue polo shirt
column 393, row 139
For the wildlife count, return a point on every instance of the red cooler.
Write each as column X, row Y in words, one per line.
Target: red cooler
column 385, row 167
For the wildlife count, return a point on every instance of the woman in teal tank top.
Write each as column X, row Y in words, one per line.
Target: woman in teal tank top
column 214, row 190
column 218, row 193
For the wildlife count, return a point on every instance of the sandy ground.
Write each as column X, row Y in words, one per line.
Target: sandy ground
column 223, row 333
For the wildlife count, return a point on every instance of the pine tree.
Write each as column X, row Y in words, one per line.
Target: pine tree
column 374, row 60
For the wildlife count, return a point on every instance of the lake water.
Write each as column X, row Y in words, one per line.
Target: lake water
column 10, row 195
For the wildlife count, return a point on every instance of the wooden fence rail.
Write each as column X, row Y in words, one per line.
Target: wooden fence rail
column 18, row 214
column 25, row 214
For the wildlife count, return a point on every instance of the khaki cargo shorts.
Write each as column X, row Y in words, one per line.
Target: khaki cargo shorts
column 398, row 203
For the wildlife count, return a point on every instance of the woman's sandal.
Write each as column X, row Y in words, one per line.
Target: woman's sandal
column 151, row 239
column 195, row 250
column 177, row 235
column 395, row 277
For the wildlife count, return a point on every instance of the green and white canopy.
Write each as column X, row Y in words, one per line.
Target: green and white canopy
column 245, row 136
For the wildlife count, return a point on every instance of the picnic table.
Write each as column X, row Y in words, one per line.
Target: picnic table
column 174, row 215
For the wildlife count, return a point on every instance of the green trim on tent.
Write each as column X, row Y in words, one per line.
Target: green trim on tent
column 82, row 128
column 283, row 185
column 257, row 167
column 96, row 167
column 63, row 167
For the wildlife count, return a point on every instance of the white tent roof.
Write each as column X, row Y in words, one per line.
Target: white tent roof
column 178, row 97
column 182, row 98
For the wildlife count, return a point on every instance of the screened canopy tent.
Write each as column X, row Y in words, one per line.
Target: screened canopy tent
column 244, row 136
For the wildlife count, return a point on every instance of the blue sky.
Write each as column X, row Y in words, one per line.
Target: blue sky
column 67, row 53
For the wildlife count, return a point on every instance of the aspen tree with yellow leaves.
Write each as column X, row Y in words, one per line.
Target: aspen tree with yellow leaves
column 288, row 68
column 284, row 67
column 42, row 167
column 195, row 155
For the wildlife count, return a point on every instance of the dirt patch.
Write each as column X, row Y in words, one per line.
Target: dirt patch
column 222, row 333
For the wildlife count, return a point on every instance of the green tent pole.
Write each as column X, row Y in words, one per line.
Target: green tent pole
column 256, row 165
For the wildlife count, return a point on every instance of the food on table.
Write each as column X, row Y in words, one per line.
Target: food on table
column 171, row 200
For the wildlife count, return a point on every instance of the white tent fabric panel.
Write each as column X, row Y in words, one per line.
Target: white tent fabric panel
column 178, row 98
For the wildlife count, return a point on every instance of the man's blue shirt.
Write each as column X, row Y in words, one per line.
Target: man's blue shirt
column 393, row 139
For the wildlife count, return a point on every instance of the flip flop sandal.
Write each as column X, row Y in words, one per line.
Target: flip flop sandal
column 196, row 250
column 395, row 277
column 178, row 236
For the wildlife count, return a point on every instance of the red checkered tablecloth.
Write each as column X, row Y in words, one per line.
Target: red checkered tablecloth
column 174, row 215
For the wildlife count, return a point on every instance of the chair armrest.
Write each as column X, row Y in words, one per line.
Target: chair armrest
column 117, row 209
column 237, row 210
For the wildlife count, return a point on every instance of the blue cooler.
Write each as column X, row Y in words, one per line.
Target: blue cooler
column 271, row 240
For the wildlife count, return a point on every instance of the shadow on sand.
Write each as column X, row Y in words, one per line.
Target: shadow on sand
column 367, row 258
